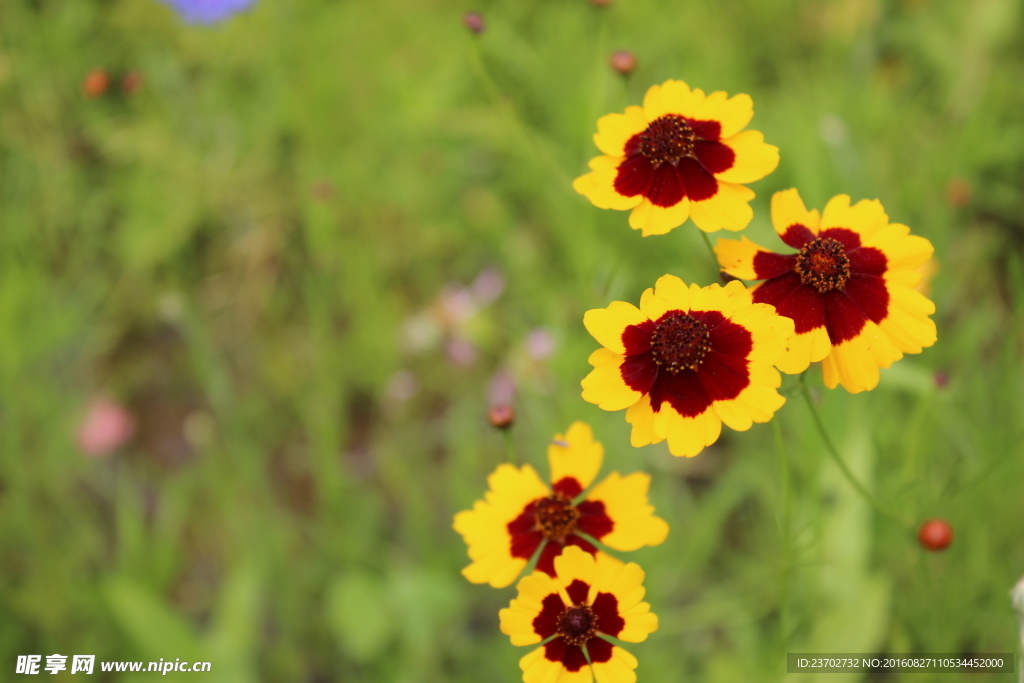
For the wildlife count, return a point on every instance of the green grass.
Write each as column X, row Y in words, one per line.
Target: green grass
column 281, row 513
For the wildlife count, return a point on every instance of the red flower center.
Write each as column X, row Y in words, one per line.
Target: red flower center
column 667, row 139
column 577, row 624
column 680, row 342
column 556, row 516
column 823, row 264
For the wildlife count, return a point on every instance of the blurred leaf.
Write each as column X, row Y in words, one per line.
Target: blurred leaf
column 233, row 640
column 358, row 613
column 150, row 623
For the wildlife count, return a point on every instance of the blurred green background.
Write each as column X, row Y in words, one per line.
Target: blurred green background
column 316, row 241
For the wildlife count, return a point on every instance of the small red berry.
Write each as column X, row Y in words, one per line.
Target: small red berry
column 501, row 416
column 941, row 379
column 95, row 83
column 935, row 535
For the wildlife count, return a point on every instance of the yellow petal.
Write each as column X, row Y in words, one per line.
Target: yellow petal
column 641, row 417
column 729, row 209
column 754, row 158
column 789, row 209
column 599, row 187
column 907, row 324
column 625, row 502
column 618, row 669
column 605, row 388
column 615, row 130
column 485, row 527
column 855, row 362
column 574, row 564
column 606, row 325
column 733, row 113
column 688, row 436
column 804, row 349
column 671, row 97
column 736, row 257
column 580, row 458
column 658, row 220
column 865, row 217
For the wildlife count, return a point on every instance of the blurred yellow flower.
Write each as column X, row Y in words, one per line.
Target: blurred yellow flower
column 683, row 154
column 521, row 514
column 584, row 599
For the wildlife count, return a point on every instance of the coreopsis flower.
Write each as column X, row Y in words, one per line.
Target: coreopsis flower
column 585, row 599
column 207, row 11
column 683, row 154
column 849, row 289
column 689, row 359
column 521, row 514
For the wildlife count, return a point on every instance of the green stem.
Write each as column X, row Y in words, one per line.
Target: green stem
column 711, row 250
column 785, row 525
column 509, row 448
column 501, row 102
column 843, row 467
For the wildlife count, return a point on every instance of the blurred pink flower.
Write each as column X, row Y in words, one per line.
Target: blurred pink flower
column 107, row 425
column 501, row 390
column 461, row 352
column 488, row 286
column 539, row 344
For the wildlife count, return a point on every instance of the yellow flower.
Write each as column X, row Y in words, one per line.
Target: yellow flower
column 683, row 154
column 686, row 361
column 585, row 599
column 849, row 290
column 521, row 514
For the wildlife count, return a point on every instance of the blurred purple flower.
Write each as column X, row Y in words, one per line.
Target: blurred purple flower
column 539, row 344
column 488, row 286
column 502, row 389
column 207, row 11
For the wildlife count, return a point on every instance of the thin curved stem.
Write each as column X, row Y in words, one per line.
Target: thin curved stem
column 843, row 467
column 509, row 448
column 780, row 448
column 502, row 102
column 711, row 250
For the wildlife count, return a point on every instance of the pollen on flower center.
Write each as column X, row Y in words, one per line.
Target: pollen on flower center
column 667, row 139
column 556, row 516
column 680, row 342
column 823, row 264
column 577, row 624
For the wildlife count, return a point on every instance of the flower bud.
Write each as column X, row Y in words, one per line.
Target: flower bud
column 501, row 416
column 474, row 22
column 623, row 61
column 95, row 83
